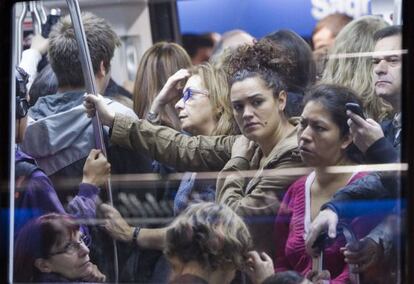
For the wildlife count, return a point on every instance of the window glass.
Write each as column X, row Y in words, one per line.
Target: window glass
column 235, row 140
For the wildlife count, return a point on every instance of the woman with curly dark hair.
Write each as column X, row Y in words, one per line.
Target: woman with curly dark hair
column 247, row 182
column 206, row 244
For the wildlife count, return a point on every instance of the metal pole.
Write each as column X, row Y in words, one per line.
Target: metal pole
column 90, row 86
column 41, row 10
column 17, row 40
column 19, row 36
column 352, row 240
column 36, row 19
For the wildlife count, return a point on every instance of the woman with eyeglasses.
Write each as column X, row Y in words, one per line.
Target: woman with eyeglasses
column 52, row 248
column 203, row 109
column 258, row 100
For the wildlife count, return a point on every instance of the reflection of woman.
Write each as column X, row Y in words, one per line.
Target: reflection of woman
column 258, row 99
column 324, row 140
column 158, row 63
column 206, row 244
column 52, row 248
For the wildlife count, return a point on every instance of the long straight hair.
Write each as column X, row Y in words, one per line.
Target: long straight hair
column 158, row 63
column 356, row 72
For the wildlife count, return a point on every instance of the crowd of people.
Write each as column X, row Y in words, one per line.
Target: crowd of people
column 266, row 133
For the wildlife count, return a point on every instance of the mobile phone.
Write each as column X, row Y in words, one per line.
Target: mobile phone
column 355, row 108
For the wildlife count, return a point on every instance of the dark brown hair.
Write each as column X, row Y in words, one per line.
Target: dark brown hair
column 36, row 239
column 63, row 50
column 270, row 61
column 158, row 63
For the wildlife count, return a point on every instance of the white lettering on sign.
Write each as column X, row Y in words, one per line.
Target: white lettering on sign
column 353, row 8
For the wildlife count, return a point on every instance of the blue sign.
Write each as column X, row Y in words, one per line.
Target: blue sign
column 260, row 17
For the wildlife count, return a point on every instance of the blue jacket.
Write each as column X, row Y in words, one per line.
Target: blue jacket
column 377, row 191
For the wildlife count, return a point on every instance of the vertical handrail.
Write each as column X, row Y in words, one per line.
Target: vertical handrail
column 90, row 86
column 41, row 10
column 36, row 19
column 19, row 37
column 12, row 156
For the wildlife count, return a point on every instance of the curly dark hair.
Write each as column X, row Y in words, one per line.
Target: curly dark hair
column 211, row 234
column 273, row 63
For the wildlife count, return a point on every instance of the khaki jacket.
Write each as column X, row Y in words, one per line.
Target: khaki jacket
column 255, row 198
column 168, row 146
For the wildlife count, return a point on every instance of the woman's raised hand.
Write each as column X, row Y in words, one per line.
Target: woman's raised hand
column 170, row 90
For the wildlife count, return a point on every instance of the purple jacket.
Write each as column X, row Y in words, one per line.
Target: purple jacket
column 39, row 197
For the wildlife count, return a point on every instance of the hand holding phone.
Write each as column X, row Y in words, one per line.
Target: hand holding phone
column 355, row 108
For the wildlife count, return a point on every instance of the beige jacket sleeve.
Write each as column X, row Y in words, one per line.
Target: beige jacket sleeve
column 168, row 146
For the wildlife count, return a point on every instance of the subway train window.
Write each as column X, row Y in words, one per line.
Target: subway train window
column 206, row 141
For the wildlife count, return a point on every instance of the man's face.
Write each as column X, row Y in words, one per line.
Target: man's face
column 323, row 40
column 387, row 69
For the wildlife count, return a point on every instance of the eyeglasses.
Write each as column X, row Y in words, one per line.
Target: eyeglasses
column 73, row 246
column 189, row 92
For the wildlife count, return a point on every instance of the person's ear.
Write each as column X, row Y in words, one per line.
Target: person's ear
column 346, row 141
column 282, row 100
column 102, row 70
column 43, row 265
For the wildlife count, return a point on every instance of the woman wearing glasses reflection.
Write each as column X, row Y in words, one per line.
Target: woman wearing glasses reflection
column 203, row 109
column 52, row 248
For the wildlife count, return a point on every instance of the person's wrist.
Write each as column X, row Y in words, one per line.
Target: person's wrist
column 89, row 180
column 135, row 234
column 153, row 117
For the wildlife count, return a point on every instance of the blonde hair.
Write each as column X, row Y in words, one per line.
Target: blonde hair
column 215, row 81
column 158, row 63
column 211, row 234
column 356, row 72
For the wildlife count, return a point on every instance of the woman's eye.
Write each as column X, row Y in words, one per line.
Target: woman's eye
column 257, row 103
column 237, row 107
column 319, row 128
